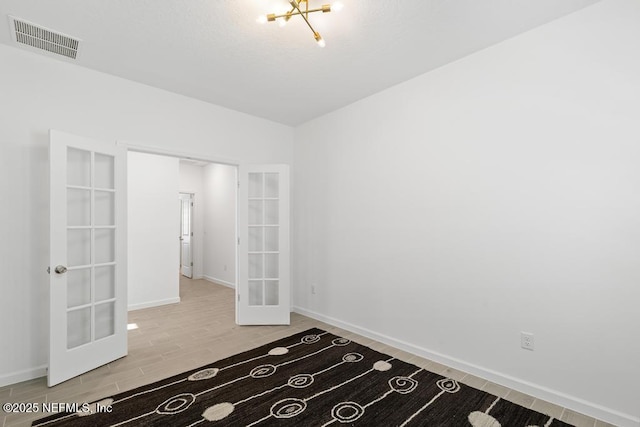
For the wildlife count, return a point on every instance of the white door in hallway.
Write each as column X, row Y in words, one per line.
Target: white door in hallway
column 88, row 269
column 186, row 234
column 263, row 228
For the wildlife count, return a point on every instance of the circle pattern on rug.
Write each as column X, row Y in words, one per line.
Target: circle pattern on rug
column 288, row 408
column 204, row 374
column 340, row 342
column 481, row 419
column 278, row 351
column 176, row 404
column 310, row 339
column 262, row 371
column 218, row 411
column 352, row 357
column 300, row 381
column 346, row 412
column 448, row 385
column 403, row 385
column 382, row 366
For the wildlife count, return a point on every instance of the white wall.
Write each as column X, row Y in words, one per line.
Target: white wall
column 153, row 227
column 220, row 183
column 494, row 195
column 39, row 93
column 192, row 181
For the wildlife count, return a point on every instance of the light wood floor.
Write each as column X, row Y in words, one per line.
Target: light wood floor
column 200, row 330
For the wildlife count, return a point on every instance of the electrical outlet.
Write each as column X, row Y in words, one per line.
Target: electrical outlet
column 313, row 289
column 526, row 340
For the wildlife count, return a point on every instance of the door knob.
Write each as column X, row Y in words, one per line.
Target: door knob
column 60, row 269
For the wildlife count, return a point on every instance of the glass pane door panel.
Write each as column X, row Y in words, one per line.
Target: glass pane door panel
column 78, row 167
column 105, row 207
column 271, row 185
column 78, row 287
column 104, row 245
column 271, row 266
column 104, row 171
column 255, row 185
column 78, row 207
column 271, row 212
column 271, row 292
column 78, row 247
column 255, row 239
column 271, row 239
column 255, row 292
column 105, row 282
column 255, row 266
column 105, row 319
column 255, row 212
column 78, row 327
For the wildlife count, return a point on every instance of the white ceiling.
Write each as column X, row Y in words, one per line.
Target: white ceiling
column 214, row 50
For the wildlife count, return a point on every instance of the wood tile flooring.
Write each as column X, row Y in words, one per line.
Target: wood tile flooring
column 200, row 330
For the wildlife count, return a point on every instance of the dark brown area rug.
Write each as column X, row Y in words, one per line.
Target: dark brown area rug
column 313, row 378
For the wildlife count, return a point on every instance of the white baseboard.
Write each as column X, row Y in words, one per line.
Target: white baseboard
column 571, row 402
column 156, row 303
column 26, row 375
column 219, row 281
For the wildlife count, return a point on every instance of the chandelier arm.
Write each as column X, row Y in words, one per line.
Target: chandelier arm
column 294, row 3
column 298, row 13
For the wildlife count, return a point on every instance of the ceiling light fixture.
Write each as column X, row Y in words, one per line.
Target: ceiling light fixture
column 298, row 9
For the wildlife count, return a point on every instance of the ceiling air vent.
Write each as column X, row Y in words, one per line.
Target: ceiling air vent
column 36, row 36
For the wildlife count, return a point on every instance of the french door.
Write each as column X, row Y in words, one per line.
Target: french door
column 263, row 228
column 88, row 270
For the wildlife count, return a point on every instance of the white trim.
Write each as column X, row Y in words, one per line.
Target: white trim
column 25, row 375
column 570, row 402
column 219, row 281
column 130, row 146
column 154, row 303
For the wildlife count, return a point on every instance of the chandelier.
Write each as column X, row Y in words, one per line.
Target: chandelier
column 301, row 8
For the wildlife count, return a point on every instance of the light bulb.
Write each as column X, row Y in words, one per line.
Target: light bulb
column 337, row 6
column 321, row 42
column 261, row 19
column 282, row 22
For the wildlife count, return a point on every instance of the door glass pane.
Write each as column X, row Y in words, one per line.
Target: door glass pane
column 105, row 282
column 78, row 287
column 78, row 327
column 78, row 167
column 271, row 292
column 271, row 239
column 104, row 245
column 255, row 185
column 255, row 239
column 78, row 207
column 78, row 247
column 255, row 292
column 255, row 212
column 255, row 266
column 271, row 212
column 104, row 171
column 271, row 266
column 105, row 208
column 105, row 319
column 271, row 185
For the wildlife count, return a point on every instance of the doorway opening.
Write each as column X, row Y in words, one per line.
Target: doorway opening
column 182, row 223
